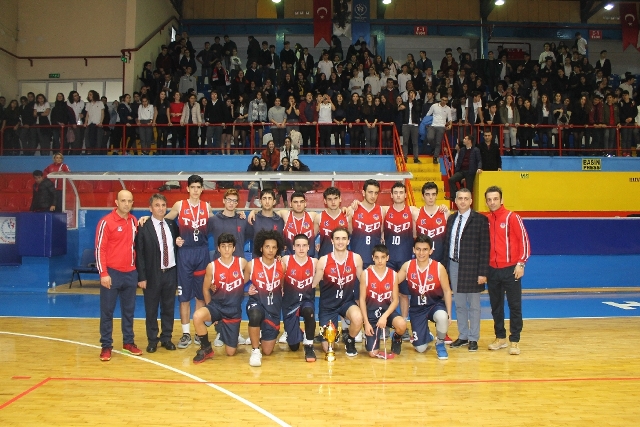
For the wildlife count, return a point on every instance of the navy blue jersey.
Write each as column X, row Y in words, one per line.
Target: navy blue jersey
column 220, row 223
column 398, row 234
column 366, row 231
column 268, row 282
column 192, row 221
column 298, row 283
column 379, row 292
column 424, row 286
column 229, row 284
column 338, row 282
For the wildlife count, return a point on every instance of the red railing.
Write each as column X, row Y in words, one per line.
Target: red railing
column 123, row 138
column 553, row 140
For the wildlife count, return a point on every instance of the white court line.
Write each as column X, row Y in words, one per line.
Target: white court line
column 170, row 368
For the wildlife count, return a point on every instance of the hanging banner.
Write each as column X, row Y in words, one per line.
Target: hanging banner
column 361, row 24
column 629, row 23
column 322, row 25
column 342, row 18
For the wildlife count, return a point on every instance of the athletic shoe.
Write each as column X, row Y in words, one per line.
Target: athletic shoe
column 350, row 347
column 218, row 342
column 203, row 354
column 318, row 339
column 105, row 354
column 242, row 340
column 283, row 338
column 459, row 343
column 132, row 349
column 406, row 336
column 514, row 349
column 416, row 160
column 309, row 354
column 185, row 341
column 396, row 343
column 441, row 351
column 196, row 339
column 498, row 344
column 256, row 357
column 473, row 345
column 435, row 160
column 431, row 337
column 258, row 203
column 359, row 336
column 447, row 340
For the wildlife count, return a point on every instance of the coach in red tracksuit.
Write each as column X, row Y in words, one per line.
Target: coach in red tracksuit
column 116, row 262
column 507, row 257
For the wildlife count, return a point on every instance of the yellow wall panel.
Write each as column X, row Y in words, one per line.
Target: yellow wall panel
column 266, row 9
column 562, row 191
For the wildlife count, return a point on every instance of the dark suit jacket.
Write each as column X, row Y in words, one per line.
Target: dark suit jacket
column 148, row 252
column 473, row 251
column 475, row 160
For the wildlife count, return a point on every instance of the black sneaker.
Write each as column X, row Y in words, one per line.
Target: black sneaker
column 459, row 343
column 350, row 347
column 435, row 160
column 396, row 344
column 473, row 345
column 309, row 354
column 203, row 354
column 318, row 339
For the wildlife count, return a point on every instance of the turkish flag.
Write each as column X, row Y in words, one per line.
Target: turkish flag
column 629, row 23
column 322, row 25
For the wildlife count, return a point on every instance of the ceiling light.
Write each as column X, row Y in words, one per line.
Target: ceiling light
column 499, row 2
column 276, row 1
column 608, row 6
column 386, row 1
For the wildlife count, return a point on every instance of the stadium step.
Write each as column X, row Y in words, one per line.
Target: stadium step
column 425, row 172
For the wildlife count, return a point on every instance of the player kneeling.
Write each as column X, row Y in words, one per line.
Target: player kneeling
column 378, row 303
column 265, row 293
column 223, row 290
column 430, row 296
column 299, row 297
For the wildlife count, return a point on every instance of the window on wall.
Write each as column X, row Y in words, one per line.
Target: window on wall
column 112, row 89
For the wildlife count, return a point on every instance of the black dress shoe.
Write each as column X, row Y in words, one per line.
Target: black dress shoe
column 151, row 348
column 168, row 345
column 473, row 345
column 459, row 343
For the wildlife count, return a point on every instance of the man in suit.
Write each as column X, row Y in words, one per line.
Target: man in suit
column 156, row 245
column 468, row 164
column 467, row 262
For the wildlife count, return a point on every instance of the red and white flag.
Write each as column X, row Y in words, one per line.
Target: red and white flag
column 322, row 25
column 629, row 23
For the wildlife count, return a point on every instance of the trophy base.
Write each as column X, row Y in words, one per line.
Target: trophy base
column 330, row 356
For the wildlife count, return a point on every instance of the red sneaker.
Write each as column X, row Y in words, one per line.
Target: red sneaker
column 447, row 340
column 131, row 349
column 105, row 354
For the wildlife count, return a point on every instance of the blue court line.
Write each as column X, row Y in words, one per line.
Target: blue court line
column 555, row 306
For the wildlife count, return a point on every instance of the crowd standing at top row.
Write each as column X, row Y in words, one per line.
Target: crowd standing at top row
column 560, row 96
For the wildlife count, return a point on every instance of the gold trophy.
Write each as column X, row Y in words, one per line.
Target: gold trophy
column 329, row 333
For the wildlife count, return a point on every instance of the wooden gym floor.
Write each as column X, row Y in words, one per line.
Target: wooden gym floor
column 572, row 372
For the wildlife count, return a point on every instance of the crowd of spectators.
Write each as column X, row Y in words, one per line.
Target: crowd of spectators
column 354, row 95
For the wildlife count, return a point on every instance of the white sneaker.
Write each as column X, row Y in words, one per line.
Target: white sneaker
column 242, row 340
column 218, row 342
column 359, row 336
column 283, row 338
column 258, row 203
column 256, row 357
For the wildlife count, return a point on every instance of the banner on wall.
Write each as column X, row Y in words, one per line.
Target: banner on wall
column 322, row 25
column 342, row 15
column 361, row 24
column 7, row 230
column 629, row 23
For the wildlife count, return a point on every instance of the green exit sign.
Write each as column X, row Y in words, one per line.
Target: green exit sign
column 54, row 75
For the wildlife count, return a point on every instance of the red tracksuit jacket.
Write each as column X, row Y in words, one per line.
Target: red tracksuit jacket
column 509, row 239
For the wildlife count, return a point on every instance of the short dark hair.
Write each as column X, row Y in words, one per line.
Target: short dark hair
column 423, row 238
column 370, row 182
column 331, row 191
column 157, row 196
column 341, row 228
column 429, row 186
column 399, row 184
column 298, row 194
column 37, row 173
column 300, row 236
column 380, row 248
column 263, row 236
column 493, row 189
column 195, row 179
column 226, row 238
column 268, row 191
